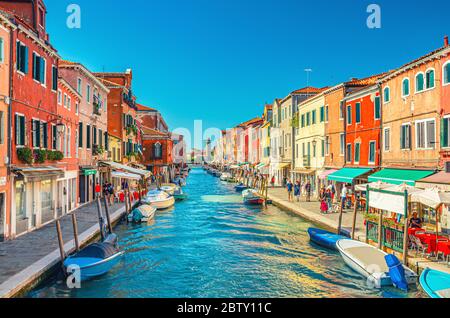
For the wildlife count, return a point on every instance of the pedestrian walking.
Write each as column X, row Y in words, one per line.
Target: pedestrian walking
column 289, row 187
column 344, row 194
column 297, row 191
column 308, row 191
column 272, row 181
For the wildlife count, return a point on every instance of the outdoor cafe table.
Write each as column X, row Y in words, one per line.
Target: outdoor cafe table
column 430, row 240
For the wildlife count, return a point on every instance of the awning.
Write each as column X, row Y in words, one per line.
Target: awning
column 400, row 176
column 304, row 171
column 125, row 175
column 347, row 175
column 326, row 173
column 118, row 166
column 31, row 174
column 261, row 165
column 284, row 165
column 440, row 178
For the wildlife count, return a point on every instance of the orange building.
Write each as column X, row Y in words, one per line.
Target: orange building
column 157, row 149
column 445, row 107
column 122, row 112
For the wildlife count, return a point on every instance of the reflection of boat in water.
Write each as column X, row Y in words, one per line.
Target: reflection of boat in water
column 370, row 262
column 159, row 199
column 142, row 214
column 179, row 194
column 252, row 197
column 96, row 259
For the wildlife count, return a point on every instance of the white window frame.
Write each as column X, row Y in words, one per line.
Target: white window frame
column 342, row 149
column 60, row 97
column 443, row 74
column 384, row 139
column 384, row 95
column 354, row 153
column 80, row 86
column 446, row 117
column 425, row 121
column 374, row 155
column 425, row 79
column 415, row 83
column 347, row 153
column 410, row 136
column 25, row 136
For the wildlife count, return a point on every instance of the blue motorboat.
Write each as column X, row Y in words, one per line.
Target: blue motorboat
column 240, row 187
column 324, row 238
column 435, row 283
column 96, row 259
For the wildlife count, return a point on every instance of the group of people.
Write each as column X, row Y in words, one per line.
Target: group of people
column 108, row 192
column 296, row 189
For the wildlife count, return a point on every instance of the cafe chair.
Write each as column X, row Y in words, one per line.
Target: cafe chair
column 422, row 248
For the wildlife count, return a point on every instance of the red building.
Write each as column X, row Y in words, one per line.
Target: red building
column 34, row 84
column 445, row 105
column 363, row 127
column 157, row 149
column 151, row 118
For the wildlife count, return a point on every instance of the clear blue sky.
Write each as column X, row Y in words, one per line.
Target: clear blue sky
column 221, row 60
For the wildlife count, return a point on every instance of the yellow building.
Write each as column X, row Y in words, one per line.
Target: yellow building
column 115, row 149
column 310, row 142
column 265, row 140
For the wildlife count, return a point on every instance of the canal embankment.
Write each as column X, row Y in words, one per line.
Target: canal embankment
column 32, row 257
column 311, row 212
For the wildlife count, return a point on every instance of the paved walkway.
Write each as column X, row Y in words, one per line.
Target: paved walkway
column 24, row 259
column 311, row 211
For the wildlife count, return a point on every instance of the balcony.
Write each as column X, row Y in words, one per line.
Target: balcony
column 128, row 99
column 307, row 161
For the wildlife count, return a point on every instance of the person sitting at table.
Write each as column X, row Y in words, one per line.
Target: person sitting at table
column 415, row 222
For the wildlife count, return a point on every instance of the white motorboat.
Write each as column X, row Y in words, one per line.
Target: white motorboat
column 142, row 214
column 370, row 262
column 252, row 197
column 225, row 176
column 161, row 200
column 170, row 188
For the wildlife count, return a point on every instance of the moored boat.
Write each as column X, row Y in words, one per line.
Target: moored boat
column 225, row 176
column 159, row 199
column 435, row 283
column 96, row 259
column 370, row 262
column 142, row 214
column 169, row 188
column 240, row 187
column 324, row 238
column 179, row 195
column 251, row 197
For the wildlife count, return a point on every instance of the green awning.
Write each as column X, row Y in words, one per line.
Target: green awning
column 347, row 174
column 89, row 172
column 400, row 176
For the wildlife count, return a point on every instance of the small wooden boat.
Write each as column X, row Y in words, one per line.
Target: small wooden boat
column 142, row 214
column 179, row 195
column 96, row 259
column 251, row 197
column 435, row 283
column 324, row 238
column 370, row 262
column 240, row 187
column 161, row 200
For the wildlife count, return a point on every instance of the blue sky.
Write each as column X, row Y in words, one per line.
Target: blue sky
column 221, row 60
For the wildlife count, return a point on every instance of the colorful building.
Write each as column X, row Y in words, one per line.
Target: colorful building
column 122, row 114
column 6, row 27
column 157, row 149
column 92, row 128
column 265, row 139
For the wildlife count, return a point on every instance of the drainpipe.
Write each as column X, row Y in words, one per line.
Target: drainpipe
column 381, row 143
column 10, row 141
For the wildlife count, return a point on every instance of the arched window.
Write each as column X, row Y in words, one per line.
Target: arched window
column 430, row 79
column 419, row 82
column 387, row 95
column 446, row 73
column 157, row 150
column 405, row 87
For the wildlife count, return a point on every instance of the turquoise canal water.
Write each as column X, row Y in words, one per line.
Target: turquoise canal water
column 213, row 246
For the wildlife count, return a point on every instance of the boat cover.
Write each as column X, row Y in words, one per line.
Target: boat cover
column 97, row 250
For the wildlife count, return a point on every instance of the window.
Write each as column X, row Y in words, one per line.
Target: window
column 357, row 152
column 314, row 117
column 446, row 73
column 405, row 87
column 387, row 94
column 387, row 139
column 429, row 75
column 158, row 150
column 405, row 137
column 349, row 115
column 54, row 136
column 54, row 78
column 425, row 134
column 419, row 82
column 69, row 102
column 80, row 135
column 65, row 100
column 39, row 67
column 59, row 97
column 94, row 136
column 308, row 119
column 358, row 113
column 322, row 114
column 88, row 136
column 68, row 142
column 372, row 152
column 303, row 121
column 22, row 58
column 326, row 113
column 36, row 133
column 341, row 110
column 77, row 106
column 88, row 93
column 377, row 110
column 44, row 134
column 342, row 141
column 2, row 50
column 445, row 132
column 79, row 86
column 349, row 153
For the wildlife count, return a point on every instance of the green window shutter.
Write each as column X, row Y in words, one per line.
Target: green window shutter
column 322, row 114
column 80, row 135
column 42, row 69
column 2, row 50
column 377, row 108
column 16, row 125
column 88, row 136
column 25, row 59
column 18, row 56
column 45, row 135
column 358, row 112
column 54, row 133
column 444, row 132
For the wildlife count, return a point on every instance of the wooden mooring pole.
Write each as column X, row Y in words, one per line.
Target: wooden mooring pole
column 62, row 253
column 355, row 215
column 75, row 231
column 100, row 218
column 108, row 219
column 341, row 212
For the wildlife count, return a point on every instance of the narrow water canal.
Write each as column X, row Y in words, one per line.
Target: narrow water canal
column 213, row 246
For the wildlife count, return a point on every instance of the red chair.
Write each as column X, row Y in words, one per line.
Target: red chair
column 122, row 197
column 136, row 195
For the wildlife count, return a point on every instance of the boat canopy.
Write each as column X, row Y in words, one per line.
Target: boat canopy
column 121, row 167
column 400, row 176
column 347, row 175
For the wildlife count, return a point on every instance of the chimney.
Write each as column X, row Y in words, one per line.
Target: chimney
column 446, row 41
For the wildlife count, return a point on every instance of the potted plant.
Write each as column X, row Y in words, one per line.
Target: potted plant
column 25, row 155
column 40, row 156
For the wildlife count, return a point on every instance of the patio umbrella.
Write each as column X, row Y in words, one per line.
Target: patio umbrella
column 432, row 198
